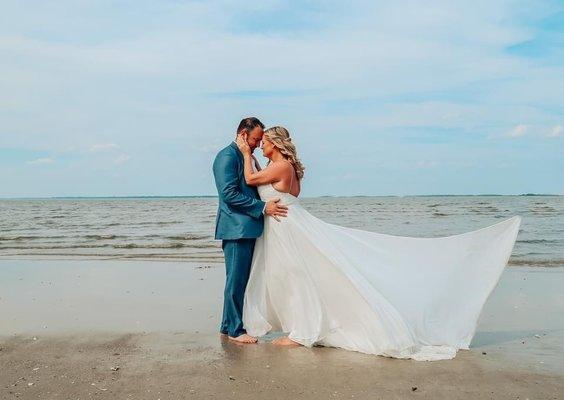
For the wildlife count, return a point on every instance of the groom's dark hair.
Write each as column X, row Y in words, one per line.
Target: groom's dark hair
column 249, row 124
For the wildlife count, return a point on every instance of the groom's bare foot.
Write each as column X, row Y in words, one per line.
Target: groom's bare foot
column 244, row 338
column 285, row 341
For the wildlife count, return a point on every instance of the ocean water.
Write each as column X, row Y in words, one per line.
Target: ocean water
column 183, row 228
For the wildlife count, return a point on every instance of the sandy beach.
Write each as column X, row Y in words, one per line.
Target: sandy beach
column 148, row 330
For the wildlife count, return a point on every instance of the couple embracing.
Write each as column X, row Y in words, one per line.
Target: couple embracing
column 326, row 285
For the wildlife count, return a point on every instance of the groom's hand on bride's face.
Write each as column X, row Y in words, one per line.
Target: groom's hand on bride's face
column 275, row 209
column 243, row 144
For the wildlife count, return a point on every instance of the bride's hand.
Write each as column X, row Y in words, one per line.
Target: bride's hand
column 243, row 145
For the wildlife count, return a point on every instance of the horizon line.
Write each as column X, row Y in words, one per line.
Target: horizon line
column 311, row 197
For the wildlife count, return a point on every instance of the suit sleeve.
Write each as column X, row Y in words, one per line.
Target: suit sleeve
column 227, row 183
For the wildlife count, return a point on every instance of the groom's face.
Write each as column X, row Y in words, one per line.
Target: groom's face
column 254, row 137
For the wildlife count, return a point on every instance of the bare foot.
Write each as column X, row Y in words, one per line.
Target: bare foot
column 285, row 341
column 244, row 338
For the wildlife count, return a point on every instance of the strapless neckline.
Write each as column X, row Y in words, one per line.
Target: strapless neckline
column 269, row 192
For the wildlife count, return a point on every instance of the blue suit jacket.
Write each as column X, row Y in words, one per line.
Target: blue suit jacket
column 239, row 214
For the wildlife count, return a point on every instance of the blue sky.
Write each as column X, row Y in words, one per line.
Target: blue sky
column 382, row 97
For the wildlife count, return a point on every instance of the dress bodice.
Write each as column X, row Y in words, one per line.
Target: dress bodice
column 268, row 192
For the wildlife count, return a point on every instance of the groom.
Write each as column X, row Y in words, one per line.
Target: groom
column 239, row 222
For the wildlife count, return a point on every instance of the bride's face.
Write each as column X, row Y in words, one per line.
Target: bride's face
column 267, row 147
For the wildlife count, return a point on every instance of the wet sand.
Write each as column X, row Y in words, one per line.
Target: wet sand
column 66, row 324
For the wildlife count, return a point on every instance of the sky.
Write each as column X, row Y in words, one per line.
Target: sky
column 124, row 98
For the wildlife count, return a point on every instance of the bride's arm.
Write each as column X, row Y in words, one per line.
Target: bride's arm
column 273, row 173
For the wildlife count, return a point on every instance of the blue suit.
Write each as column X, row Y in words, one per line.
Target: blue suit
column 239, row 222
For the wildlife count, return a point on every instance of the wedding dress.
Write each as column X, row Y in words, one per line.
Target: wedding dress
column 394, row 296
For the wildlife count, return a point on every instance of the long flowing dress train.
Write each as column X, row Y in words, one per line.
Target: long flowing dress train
column 395, row 296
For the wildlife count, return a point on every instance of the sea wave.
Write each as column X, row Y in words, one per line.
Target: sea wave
column 188, row 236
column 52, row 247
column 540, row 241
column 102, row 237
column 172, row 245
column 552, row 263
column 17, row 238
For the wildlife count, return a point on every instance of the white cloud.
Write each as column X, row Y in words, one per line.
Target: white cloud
column 517, row 131
column 122, row 158
column 103, row 147
column 42, row 161
column 556, row 131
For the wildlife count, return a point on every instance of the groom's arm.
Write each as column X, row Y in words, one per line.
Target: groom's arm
column 227, row 183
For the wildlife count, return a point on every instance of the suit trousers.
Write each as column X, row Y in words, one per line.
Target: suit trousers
column 238, row 258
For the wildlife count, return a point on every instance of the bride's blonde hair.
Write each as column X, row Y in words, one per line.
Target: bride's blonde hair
column 280, row 137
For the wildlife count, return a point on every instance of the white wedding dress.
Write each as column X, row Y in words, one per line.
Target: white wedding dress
column 395, row 296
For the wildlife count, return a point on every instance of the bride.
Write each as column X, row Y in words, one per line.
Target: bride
column 327, row 285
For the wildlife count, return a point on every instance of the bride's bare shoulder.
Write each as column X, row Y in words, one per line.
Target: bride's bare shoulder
column 282, row 166
column 282, row 163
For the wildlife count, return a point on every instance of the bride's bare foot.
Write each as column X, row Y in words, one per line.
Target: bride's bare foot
column 285, row 341
column 244, row 338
